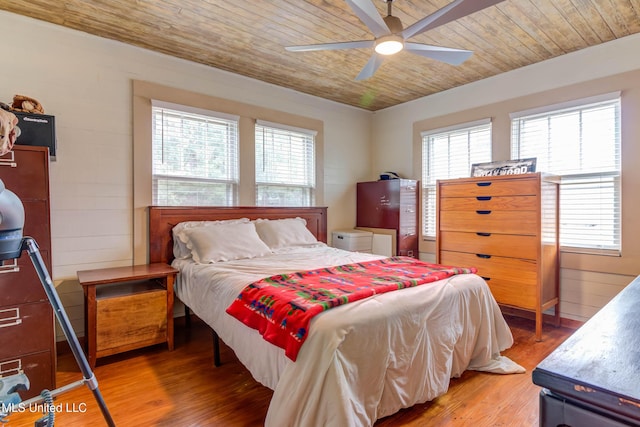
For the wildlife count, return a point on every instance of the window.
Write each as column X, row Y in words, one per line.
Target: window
column 285, row 165
column 581, row 144
column 449, row 153
column 195, row 156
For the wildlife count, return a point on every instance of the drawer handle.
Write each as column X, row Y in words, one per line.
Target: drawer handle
column 483, row 184
column 9, row 268
column 484, row 234
column 486, row 279
column 11, row 367
column 483, row 212
column 483, row 198
column 9, row 161
column 484, row 256
column 11, row 316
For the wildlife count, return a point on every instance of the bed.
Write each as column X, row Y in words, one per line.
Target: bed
column 361, row 361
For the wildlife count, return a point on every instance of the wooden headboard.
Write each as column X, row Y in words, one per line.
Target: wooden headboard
column 162, row 219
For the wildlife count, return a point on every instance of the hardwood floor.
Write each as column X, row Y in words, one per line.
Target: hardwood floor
column 155, row 387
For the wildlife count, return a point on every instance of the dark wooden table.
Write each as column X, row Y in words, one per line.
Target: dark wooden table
column 593, row 378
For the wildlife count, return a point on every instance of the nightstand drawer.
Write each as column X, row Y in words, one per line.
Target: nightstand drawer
column 129, row 320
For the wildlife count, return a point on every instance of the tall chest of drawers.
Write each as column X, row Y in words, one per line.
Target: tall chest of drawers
column 27, row 332
column 506, row 227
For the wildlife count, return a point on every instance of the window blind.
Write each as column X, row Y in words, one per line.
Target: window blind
column 581, row 144
column 285, row 165
column 449, row 153
column 195, row 157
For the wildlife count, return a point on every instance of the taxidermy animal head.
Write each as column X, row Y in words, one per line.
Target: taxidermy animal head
column 9, row 131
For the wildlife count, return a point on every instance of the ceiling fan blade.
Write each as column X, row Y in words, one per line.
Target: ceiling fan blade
column 332, row 46
column 444, row 54
column 455, row 10
column 372, row 65
column 369, row 15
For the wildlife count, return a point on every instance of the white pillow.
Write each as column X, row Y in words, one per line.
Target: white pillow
column 224, row 242
column 282, row 233
column 180, row 250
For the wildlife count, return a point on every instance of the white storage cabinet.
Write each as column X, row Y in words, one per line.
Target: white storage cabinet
column 352, row 240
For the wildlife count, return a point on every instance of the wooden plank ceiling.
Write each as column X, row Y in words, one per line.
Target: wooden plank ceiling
column 248, row 37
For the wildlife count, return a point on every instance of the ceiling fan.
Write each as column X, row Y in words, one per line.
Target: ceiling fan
column 391, row 38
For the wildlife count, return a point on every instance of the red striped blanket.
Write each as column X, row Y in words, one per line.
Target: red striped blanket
column 280, row 307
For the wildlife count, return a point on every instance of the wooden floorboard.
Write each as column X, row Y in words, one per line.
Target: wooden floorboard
column 155, row 387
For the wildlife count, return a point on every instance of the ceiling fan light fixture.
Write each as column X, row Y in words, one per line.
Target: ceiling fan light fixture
column 388, row 45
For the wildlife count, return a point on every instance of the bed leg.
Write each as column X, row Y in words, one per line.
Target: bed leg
column 216, row 349
column 187, row 317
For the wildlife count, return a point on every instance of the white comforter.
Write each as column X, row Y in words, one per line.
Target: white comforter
column 361, row 361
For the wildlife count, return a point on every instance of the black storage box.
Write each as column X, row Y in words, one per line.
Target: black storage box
column 37, row 129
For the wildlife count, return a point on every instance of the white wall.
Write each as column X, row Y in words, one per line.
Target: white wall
column 587, row 282
column 86, row 82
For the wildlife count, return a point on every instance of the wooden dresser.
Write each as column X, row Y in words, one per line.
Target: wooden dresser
column 27, row 330
column 391, row 204
column 507, row 227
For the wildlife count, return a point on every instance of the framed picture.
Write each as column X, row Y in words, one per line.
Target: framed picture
column 506, row 167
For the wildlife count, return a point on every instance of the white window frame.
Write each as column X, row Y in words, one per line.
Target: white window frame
column 571, row 239
column 230, row 181
column 303, row 155
column 429, row 179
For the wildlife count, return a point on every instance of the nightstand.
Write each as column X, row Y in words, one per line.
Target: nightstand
column 127, row 308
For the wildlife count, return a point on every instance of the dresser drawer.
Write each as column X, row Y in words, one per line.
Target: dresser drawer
column 38, row 367
column 508, row 245
column 493, row 203
column 26, row 328
column 494, row 188
column 512, row 280
column 488, row 221
column 515, row 187
column 519, row 294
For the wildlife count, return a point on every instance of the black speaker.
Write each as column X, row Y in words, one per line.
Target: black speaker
column 37, row 129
